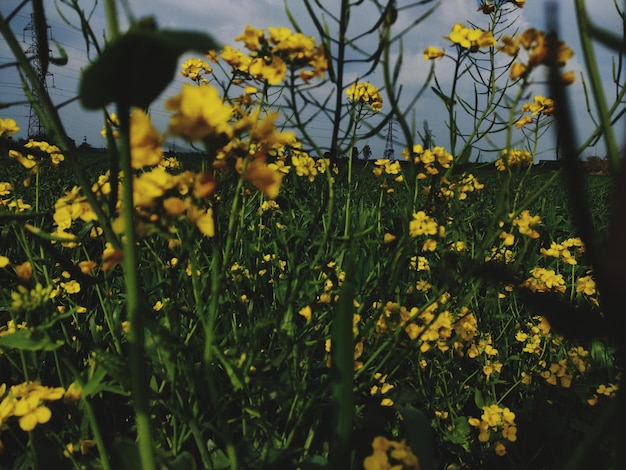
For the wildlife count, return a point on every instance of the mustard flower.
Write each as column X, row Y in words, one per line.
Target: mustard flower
column 365, row 93
column 273, row 72
column 199, row 112
column 539, row 47
column 422, row 224
column 539, row 105
column 523, row 121
column 194, row 69
column 145, row 141
column 525, row 223
column 383, row 450
column 304, row 165
column 431, row 53
column 8, row 127
column 252, row 38
column 586, row 285
column 471, row 39
column 514, row 158
column 265, row 178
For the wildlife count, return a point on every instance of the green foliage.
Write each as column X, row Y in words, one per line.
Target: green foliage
column 255, row 306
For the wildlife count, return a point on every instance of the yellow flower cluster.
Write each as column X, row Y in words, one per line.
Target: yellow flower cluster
column 565, row 370
column 385, row 166
column 422, row 224
column 496, row 419
column 195, row 69
column 364, row 93
column 586, row 285
column 525, row 223
column 567, row 251
column 433, row 161
column 26, row 402
column 467, row 183
column 545, row 280
column 25, row 300
column 471, row 38
column 387, row 454
column 540, row 106
column 30, row 161
column 306, row 166
column 542, row 49
column 534, row 338
column 270, row 55
column 430, row 325
column 609, row 390
column 514, row 158
column 483, row 347
column 382, row 387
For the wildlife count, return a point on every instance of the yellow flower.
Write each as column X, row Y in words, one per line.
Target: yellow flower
column 71, row 287
column 518, row 70
column 4, row 261
column 73, row 393
column 431, row 53
column 5, row 188
column 24, row 271
column 272, row 72
column 388, row 238
column 586, row 285
column 306, row 312
column 111, row 256
column 8, row 127
column 31, row 412
column 365, row 93
column 199, row 112
column 194, row 68
column 523, row 121
column 472, row 39
column 145, row 141
column 251, row 38
column 204, row 222
column 421, row 224
column 499, row 449
column 510, row 46
column 266, row 179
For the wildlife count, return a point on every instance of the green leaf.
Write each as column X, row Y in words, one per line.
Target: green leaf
column 62, row 60
column 478, row 398
column 93, row 384
column 419, row 435
column 135, row 68
column 30, row 340
column 125, row 454
column 184, row 461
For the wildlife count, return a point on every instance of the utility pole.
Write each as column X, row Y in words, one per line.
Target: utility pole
column 35, row 127
column 389, row 153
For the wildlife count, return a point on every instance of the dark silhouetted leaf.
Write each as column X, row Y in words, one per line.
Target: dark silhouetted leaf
column 135, row 68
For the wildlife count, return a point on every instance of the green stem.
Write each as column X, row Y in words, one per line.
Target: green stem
column 595, row 80
column 136, row 338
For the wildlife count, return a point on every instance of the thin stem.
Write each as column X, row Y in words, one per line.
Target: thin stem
column 136, row 335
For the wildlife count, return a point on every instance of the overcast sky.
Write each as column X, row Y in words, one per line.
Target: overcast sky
column 226, row 20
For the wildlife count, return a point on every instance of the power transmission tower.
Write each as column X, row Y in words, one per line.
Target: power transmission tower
column 389, row 153
column 35, row 127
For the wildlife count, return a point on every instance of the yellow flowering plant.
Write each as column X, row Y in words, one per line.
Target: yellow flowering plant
column 275, row 301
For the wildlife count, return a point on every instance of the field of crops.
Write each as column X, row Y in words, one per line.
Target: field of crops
column 267, row 302
column 442, row 329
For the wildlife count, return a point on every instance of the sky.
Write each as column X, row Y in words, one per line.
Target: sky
column 226, row 20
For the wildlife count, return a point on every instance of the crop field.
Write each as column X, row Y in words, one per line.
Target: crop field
column 262, row 303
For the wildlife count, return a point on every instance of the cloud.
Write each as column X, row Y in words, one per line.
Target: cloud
column 226, row 20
